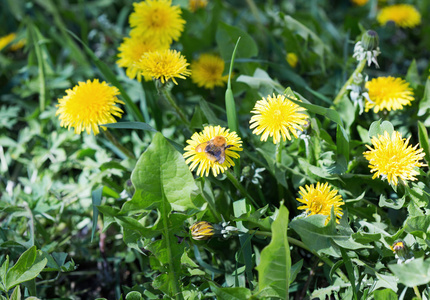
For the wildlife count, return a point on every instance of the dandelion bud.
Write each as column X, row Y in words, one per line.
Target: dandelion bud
column 370, row 40
column 202, row 230
column 399, row 248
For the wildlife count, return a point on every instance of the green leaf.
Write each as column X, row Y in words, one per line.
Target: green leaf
column 376, row 128
column 342, row 141
column 275, row 264
column 424, row 140
column 230, row 293
column 295, row 269
column 26, row 268
column 412, row 76
column 394, row 204
column 323, row 111
column 161, row 173
column 96, row 197
column 418, row 226
column 319, row 46
column 316, row 235
column 413, row 273
column 226, row 37
column 16, row 295
column 425, row 103
column 262, row 82
column 386, row 294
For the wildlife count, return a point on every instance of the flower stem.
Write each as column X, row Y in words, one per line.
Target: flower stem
column 115, row 142
column 417, row 292
column 278, row 158
column 166, row 93
column 343, row 90
column 240, row 187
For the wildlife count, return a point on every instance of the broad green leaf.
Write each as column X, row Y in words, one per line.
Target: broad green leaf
column 386, row 294
column 275, row 264
column 316, row 235
column 226, row 37
column 378, row 128
column 26, row 268
column 230, row 293
column 161, row 173
column 413, row 273
column 424, row 140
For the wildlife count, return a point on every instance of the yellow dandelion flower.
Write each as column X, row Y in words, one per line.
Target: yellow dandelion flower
column 207, row 71
column 18, row 45
column 197, row 4
column 359, row 2
column 88, row 105
column 292, row 59
column 6, row 40
column 319, row 200
column 212, row 149
column 391, row 158
column 276, row 117
column 131, row 51
column 403, row 15
column 164, row 65
column 157, row 19
column 388, row 93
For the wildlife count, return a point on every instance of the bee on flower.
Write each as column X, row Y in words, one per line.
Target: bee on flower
column 212, row 149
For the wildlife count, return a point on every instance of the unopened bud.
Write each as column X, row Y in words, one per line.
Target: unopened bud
column 370, row 40
column 202, row 230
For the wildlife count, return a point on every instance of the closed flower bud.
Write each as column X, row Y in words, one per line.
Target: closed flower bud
column 370, row 40
column 202, row 230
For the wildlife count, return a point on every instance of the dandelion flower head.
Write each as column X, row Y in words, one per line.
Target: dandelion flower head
column 207, row 71
column 359, row 2
column 277, row 117
column 88, row 105
column 197, row 4
column 131, row 50
column 388, row 93
column 157, row 19
column 403, row 15
column 6, row 40
column 392, row 158
column 201, row 160
column 164, row 65
column 319, row 199
column 292, row 59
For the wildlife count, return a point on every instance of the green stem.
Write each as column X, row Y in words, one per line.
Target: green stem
column 278, row 158
column 31, row 222
column 343, row 90
column 115, row 142
column 166, row 93
column 417, row 292
column 174, row 280
column 240, row 187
